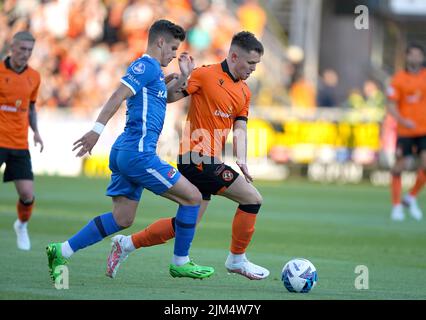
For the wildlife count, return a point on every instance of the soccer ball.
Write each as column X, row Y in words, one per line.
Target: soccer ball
column 299, row 275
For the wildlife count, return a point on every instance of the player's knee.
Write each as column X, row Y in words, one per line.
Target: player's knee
column 255, row 198
column 126, row 222
column 194, row 197
column 26, row 197
column 258, row 199
column 396, row 171
column 252, row 197
column 398, row 167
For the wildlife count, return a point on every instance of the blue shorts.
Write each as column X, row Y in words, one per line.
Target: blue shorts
column 134, row 171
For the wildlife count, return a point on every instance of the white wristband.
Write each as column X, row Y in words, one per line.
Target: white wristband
column 98, row 128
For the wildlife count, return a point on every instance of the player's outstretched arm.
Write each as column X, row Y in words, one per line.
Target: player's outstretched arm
column 240, row 147
column 88, row 141
column 178, row 83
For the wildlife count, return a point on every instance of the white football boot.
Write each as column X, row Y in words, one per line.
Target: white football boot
column 246, row 268
column 22, row 238
column 117, row 255
column 397, row 213
column 411, row 203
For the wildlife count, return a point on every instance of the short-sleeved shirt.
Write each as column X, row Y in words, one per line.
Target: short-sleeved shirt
column 217, row 101
column 17, row 91
column 146, row 109
column 408, row 90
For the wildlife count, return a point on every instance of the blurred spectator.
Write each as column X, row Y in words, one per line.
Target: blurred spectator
column 302, row 93
column 252, row 17
column 83, row 44
column 327, row 89
column 355, row 99
column 374, row 97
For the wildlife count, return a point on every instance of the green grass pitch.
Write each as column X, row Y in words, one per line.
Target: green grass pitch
column 337, row 227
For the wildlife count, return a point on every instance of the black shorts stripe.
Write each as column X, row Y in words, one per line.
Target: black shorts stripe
column 100, row 226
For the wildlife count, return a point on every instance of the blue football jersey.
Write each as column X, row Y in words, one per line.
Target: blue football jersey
column 146, row 109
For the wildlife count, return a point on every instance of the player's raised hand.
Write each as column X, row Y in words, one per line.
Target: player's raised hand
column 245, row 172
column 38, row 140
column 86, row 143
column 186, row 63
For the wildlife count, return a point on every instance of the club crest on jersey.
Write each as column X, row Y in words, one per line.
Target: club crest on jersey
column 227, row 175
column 172, row 173
column 138, row 68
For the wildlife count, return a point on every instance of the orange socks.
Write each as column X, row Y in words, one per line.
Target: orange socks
column 158, row 232
column 162, row 230
column 24, row 210
column 420, row 182
column 396, row 188
column 243, row 228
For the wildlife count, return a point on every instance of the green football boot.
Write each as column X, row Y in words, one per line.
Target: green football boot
column 55, row 259
column 190, row 270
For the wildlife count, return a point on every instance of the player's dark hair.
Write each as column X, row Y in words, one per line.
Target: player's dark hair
column 415, row 46
column 23, row 36
column 247, row 41
column 167, row 29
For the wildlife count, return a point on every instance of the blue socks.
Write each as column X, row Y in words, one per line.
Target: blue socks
column 97, row 229
column 104, row 225
column 186, row 219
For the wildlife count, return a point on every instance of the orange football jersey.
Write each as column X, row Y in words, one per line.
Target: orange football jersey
column 217, row 101
column 408, row 90
column 17, row 91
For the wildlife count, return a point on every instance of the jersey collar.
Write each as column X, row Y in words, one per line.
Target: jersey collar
column 9, row 66
column 225, row 69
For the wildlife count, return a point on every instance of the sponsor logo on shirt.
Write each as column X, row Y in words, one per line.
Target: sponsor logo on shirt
column 133, row 79
column 414, row 98
column 222, row 114
column 8, row 108
column 138, row 68
column 162, row 94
